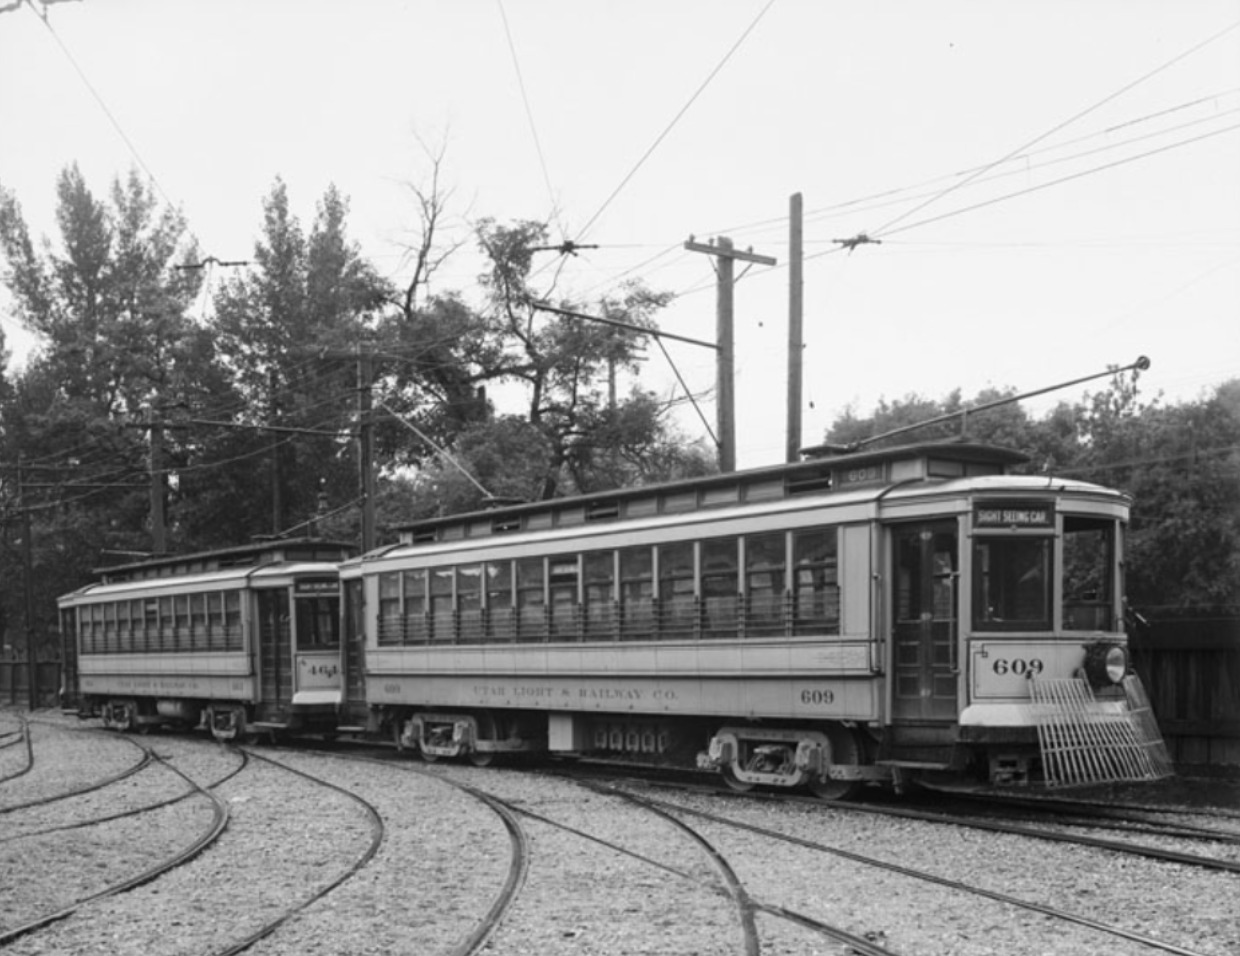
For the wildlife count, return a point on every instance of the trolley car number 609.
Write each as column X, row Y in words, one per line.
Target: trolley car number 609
column 1018, row 666
column 817, row 696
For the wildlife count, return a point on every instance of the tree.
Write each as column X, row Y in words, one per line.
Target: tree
column 288, row 330
column 116, row 344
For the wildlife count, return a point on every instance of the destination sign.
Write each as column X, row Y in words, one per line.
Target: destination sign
column 1014, row 514
column 329, row 586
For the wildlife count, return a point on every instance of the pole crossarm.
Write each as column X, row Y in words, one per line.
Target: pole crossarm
column 745, row 255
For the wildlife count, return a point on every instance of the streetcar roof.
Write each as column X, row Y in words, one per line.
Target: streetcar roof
column 821, row 475
column 255, row 554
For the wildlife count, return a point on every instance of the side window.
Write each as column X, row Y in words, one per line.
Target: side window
column 414, row 613
column 1089, row 573
column 1011, row 583
column 469, row 602
column 531, row 600
column 501, row 621
column 765, row 560
column 562, row 587
column 599, row 574
column 637, row 593
column 442, row 618
column 389, row 608
column 720, row 586
column 232, row 621
column 815, row 582
column 677, row 598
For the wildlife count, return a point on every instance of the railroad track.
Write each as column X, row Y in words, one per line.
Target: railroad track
column 27, row 924
column 772, row 835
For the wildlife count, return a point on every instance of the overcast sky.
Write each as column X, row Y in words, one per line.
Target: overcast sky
column 1056, row 182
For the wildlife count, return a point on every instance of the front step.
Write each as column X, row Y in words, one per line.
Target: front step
column 918, row 746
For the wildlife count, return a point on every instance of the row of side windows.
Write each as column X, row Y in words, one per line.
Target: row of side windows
column 205, row 621
column 769, row 584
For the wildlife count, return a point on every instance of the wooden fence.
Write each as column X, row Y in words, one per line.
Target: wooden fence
column 1191, row 670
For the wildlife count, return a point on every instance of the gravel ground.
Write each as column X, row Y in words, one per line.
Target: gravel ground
column 604, row 876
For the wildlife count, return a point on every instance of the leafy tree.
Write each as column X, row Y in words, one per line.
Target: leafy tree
column 109, row 304
column 288, row 329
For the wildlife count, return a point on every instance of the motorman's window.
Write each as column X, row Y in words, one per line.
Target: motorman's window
column 1012, row 583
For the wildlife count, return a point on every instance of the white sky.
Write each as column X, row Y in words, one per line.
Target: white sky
column 840, row 101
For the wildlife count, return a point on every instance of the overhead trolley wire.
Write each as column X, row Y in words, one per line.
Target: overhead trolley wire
column 529, row 113
column 886, row 228
column 675, row 119
column 102, row 105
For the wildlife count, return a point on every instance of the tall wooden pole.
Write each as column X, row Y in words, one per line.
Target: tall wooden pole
column 795, row 326
column 365, row 449
column 32, row 678
column 725, row 362
column 725, row 255
column 159, row 533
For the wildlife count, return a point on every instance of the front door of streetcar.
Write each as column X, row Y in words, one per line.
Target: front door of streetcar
column 925, row 561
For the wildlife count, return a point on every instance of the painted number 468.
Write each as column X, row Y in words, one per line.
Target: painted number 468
column 1019, row 667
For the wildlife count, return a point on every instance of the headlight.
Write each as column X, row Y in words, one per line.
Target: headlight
column 1105, row 664
column 1116, row 664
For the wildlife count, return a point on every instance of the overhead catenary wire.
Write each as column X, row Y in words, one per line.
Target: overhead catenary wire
column 529, row 112
column 887, row 227
column 675, row 119
column 129, row 144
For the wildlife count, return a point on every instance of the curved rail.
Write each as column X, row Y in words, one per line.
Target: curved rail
column 147, row 757
column 934, row 878
column 219, row 822
column 377, row 834
column 23, row 736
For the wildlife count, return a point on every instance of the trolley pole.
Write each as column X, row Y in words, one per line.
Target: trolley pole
column 725, row 255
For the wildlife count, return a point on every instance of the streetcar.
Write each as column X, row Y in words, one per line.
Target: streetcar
column 919, row 613
column 239, row 641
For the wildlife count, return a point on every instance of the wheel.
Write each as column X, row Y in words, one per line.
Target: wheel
column 481, row 758
column 844, row 750
column 730, row 778
column 429, row 758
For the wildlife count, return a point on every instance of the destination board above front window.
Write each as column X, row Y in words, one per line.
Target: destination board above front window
column 1007, row 515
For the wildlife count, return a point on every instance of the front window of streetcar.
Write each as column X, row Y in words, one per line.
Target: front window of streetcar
column 1012, row 583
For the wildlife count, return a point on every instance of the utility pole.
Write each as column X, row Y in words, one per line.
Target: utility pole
column 796, row 305
column 725, row 255
column 365, row 448
column 159, row 534
column 277, row 478
column 32, row 679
